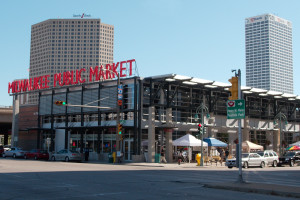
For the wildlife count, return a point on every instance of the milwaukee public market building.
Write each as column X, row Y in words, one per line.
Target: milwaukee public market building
column 153, row 112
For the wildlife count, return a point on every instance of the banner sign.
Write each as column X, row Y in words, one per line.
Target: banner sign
column 106, row 72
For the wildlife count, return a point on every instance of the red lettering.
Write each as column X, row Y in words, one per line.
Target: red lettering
column 57, row 77
column 114, row 69
column 36, row 85
column 101, row 73
column 130, row 66
column 23, row 85
column 46, row 81
column 30, row 85
column 11, row 87
column 122, row 69
column 80, row 80
column 66, row 78
column 108, row 71
column 16, row 86
column 94, row 72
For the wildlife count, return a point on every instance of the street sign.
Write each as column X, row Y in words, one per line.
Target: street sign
column 120, row 89
column 236, row 109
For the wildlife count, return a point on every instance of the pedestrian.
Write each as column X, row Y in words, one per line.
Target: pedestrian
column 180, row 157
column 222, row 155
column 86, row 154
column 226, row 154
column 163, row 158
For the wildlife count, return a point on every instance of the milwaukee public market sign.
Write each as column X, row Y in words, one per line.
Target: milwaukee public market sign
column 110, row 71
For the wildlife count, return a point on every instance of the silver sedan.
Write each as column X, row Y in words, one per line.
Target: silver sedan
column 248, row 159
column 66, row 155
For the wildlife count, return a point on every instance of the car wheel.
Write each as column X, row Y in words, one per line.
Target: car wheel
column 25, row 157
column 67, row 159
column 3, row 155
column 35, row 158
column 274, row 163
column 229, row 167
column 262, row 164
column 292, row 163
column 53, row 158
column 246, row 165
column 14, row 156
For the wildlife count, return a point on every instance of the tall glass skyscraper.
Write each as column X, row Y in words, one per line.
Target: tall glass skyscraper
column 269, row 59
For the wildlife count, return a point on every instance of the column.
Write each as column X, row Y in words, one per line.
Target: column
column 168, row 136
column 15, row 122
column 151, row 135
column 246, row 129
column 276, row 140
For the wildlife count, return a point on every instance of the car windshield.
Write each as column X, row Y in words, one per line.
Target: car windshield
column 261, row 153
column 43, row 151
column 245, row 155
column 74, row 151
column 289, row 154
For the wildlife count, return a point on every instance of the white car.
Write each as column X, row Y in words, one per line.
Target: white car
column 14, row 152
column 248, row 160
column 66, row 155
column 271, row 157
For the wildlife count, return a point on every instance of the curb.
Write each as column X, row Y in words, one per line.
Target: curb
column 240, row 188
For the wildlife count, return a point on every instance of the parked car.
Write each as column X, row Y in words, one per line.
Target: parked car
column 66, row 155
column 37, row 154
column 270, row 156
column 248, row 160
column 13, row 152
column 290, row 158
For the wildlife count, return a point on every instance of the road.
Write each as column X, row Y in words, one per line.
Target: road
column 29, row 179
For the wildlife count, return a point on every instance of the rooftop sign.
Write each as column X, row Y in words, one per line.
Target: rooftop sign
column 82, row 15
column 107, row 72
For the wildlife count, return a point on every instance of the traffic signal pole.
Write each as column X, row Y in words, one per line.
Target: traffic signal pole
column 236, row 95
column 240, row 179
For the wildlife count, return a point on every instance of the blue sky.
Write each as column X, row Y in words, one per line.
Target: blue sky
column 203, row 39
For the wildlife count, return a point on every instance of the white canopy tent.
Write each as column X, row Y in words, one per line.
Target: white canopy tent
column 189, row 141
column 247, row 146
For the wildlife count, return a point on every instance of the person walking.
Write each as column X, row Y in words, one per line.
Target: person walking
column 163, row 158
column 226, row 154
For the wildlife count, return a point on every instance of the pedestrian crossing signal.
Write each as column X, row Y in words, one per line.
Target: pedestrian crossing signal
column 60, row 103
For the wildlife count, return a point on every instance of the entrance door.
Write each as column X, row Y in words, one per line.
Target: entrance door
column 128, row 149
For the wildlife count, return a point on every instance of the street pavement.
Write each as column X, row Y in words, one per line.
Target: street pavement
column 30, row 179
column 244, row 186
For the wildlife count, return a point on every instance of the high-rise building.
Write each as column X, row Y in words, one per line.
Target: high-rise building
column 59, row 45
column 269, row 59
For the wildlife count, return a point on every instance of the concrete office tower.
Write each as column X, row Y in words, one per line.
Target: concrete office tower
column 269, row 59
column 59, row 45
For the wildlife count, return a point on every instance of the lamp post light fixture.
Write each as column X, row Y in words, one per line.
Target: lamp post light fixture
column 280, row 117
column 202, row 109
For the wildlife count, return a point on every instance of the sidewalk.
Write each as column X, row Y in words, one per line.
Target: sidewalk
column 261, row 188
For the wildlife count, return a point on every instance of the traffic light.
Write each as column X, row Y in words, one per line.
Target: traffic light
column 200, row 128
column 120, row 127
column 234, row 88
column 60, row 103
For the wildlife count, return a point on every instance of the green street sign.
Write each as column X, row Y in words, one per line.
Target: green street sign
column 236, row 109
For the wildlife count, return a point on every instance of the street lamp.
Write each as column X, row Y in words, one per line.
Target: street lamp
column 202, row 109
column 279, row 117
